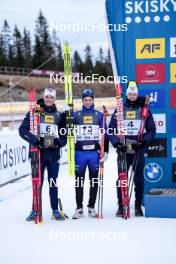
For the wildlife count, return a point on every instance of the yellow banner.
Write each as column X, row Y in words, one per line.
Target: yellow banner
column 150, row 48
column 173, row 72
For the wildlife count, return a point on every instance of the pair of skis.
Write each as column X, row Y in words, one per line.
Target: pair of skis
column 126, row 184
column 132, row 169
column 69, row 112
column 35, row 112
column 121, row 160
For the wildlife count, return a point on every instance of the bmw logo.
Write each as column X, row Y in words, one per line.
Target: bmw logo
column 153, row 172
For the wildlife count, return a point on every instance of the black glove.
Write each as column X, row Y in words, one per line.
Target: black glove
column 55, row 145
column 120, row 147
column 39, row 145
column 139, row 145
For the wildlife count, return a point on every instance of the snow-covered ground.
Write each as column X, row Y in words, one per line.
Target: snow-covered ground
column 110, row 240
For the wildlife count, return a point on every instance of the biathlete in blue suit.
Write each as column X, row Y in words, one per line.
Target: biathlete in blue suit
column 88, row 123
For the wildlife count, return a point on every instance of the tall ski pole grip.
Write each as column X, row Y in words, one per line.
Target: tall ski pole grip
column 69, row 113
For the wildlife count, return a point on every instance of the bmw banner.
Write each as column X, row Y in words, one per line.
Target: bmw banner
column 143, row 43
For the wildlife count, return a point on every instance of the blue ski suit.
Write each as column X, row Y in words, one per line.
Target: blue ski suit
column 133, row 111
column 49, row 156
column 87, row 152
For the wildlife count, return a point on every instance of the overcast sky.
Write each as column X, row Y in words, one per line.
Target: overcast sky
column 24, row 13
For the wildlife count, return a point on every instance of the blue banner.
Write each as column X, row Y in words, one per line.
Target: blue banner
column 143, row 48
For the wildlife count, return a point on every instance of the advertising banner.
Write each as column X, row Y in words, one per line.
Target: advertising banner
column 144, row 49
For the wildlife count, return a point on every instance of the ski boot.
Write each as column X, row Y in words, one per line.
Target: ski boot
column 91, row 212
column 78, row 213
column 31, row 216
column 138, row 210
column 57, row 216
column 119, row 212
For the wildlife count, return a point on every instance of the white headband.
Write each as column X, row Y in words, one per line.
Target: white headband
column 49, row 91
column 132, row 88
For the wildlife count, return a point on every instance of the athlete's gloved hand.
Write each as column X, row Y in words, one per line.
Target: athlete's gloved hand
column 39, row 145
column 66, row 108
column 56, row 144
column 120, row 147
column 139, row 145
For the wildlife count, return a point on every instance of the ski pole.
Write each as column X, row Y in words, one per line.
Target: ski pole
column 101, row 175
column 121, row 159
column 140, row 136
column 63, row 214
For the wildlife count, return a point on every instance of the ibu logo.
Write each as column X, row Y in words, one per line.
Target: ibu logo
column 149, row 11
column 153, row 172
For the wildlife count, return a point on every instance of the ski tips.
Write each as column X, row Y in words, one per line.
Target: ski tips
column 118, row 88
column 32, row 94
column 67, row 48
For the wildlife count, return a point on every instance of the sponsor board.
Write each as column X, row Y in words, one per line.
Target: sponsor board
column 173, row 47
column 148, row 11
column 150, row 73
column 150, row 48
column 173, row 147
column 173, row 72
column 158, row 148
column 173, row 98
column 160, row 122
column 14, row 157
column 153, row 172
column 157, row 97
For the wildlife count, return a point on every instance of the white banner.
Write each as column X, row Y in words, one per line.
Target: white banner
column 14, row 161
column 173, row 147
column 160, row 122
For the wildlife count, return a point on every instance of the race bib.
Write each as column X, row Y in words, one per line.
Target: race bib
column 48, row 130
column 86, row 132
column 132, row 127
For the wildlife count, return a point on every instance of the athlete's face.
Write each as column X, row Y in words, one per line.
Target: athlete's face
column 132, row 96
column 88, row 102
column 48, row 100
